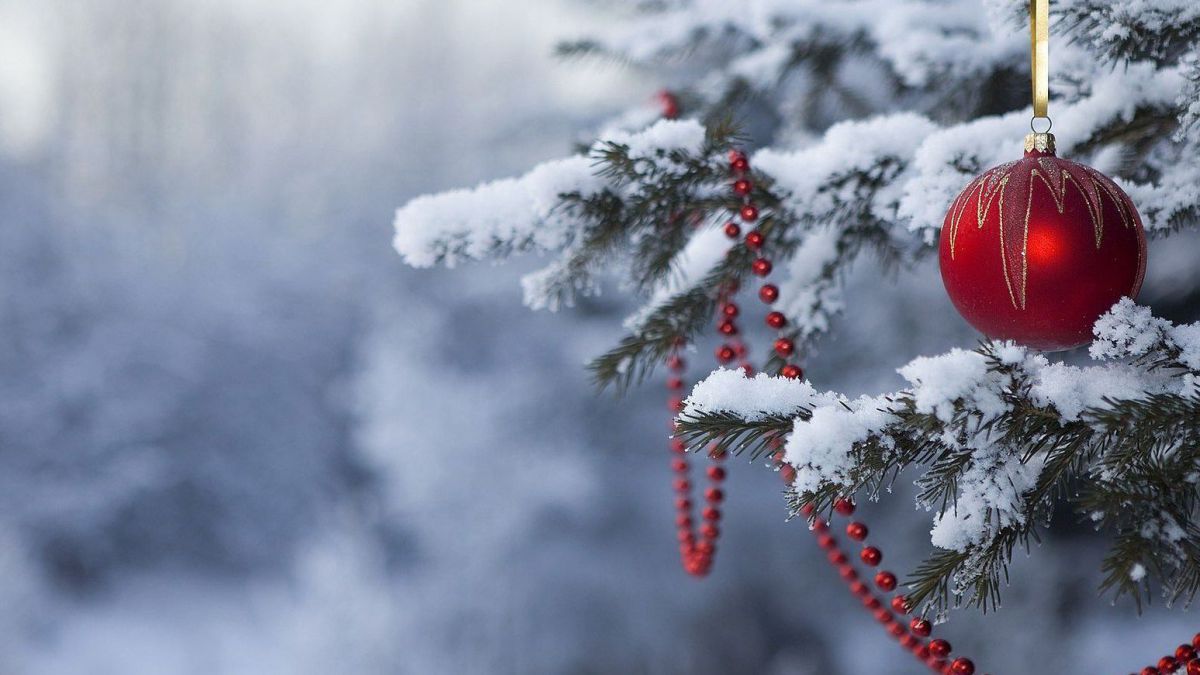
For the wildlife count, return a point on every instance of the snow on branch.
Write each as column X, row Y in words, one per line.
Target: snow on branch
column 999, row 431
column 523, row 214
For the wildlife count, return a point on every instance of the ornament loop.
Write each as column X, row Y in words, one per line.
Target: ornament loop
column 1039, row 38
column 1033, row 124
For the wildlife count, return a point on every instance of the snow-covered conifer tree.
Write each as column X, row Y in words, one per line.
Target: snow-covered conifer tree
column 858, row 121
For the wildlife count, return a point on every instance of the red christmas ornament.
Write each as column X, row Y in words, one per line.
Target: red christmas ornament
column 1037, row 249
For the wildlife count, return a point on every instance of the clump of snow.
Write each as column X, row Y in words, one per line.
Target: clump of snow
column 498, row 218
column 512, row 214
column 752, row 398
column 1137, row 572
column 1127, row 329
column 820, row 447
column 939, row 381
column 991, row 496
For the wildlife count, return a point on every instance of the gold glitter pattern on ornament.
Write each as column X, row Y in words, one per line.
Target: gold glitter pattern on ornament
column 1011, row 185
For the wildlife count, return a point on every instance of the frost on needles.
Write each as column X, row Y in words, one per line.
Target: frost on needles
column 868, row 116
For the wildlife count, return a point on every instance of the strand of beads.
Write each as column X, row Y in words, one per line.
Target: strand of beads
column 1185, row 660
column 934, row 653
column 696, row 547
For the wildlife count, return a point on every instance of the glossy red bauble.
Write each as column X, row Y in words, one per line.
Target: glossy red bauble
column 1037, row 249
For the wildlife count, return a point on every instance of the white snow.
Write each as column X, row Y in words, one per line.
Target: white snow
column 751, row 398
column 522, row 214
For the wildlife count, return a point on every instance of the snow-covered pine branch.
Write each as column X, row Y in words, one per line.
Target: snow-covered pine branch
column 998, row 432
column 881, row 184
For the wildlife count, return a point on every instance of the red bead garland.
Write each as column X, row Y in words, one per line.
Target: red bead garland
column 696, row 546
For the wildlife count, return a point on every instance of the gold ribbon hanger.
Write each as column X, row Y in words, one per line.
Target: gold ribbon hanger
column 1039, row 37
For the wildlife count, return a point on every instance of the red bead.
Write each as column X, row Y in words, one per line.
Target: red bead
column 856, row 531
column 895, row 629
column 714, row 495
column 882, row 615
column 768, row 293
column 711, row 514
column 872, row 603
column 683, row 521
column 733, row 230
column 962, row 666
column 747, row 369
column 674, row 383
column 740, row 164
column 1193, row 667
column 1037, row 264
column 716, row 473
column 1148, row 670
column 819, row 525
column 807, row 509
column 730, row 310
column 939, row 648
column 920, row 627
column 676, row 362
column 826, row 542
column 921, row 651
column 675, row 404
column 683, row 503
column 844, row 506
column 837, row 557
column 900, row 604
column 776, row 320
column 1168, row 664
column 871, row 556
column 728, row 328
column 1196, row 641
column 709, row 531
column 677, row 445
column 788, row 473
column 749, row 213
column 761, row 267
column 742, row 187
column 725, row 354
column 909, row 642
column 679, row 465
column 860, row 589
column 682, row 485
column 784, row 347
column 685, row 537
column 706, row 548
column 791, row 371
column 1184, row 653
column 848, row 573
column 886, row 581
column 668, row 104
column 754, row 240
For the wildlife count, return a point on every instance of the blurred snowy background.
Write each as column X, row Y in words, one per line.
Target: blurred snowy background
column 237, row 435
